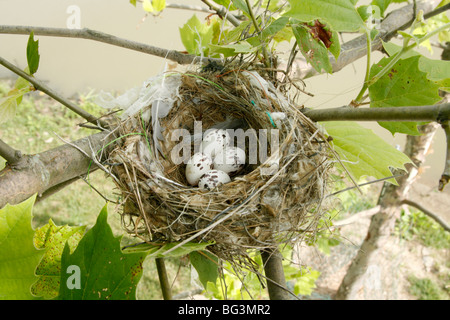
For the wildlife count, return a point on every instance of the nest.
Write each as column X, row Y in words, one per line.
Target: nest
column 270, row 202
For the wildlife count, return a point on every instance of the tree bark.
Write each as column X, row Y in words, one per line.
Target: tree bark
column 276, row 282
column 383, row 223
column 44, row 171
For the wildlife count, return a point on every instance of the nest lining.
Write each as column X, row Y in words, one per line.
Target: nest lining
column 277, row 201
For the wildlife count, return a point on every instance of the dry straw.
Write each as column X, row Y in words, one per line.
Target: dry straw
column 267, row 204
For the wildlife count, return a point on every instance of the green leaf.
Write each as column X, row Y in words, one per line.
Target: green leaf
column 100, row 267
column 8, row 105
column 18, row 256
column 196, row 36
column 312, row 49
column 437, row 70
column 382, row 4
column 341, row 15
column 306, row 282
column 133, row 2
column 229, row 50
column 32, row 54
column 241, row 5
column 206, row 265
column 404, row 85
column 53, row 238
column 364, row 153
column 226, row 4
column 274, row 27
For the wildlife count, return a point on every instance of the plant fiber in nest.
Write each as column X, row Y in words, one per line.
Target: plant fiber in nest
column 267, row 204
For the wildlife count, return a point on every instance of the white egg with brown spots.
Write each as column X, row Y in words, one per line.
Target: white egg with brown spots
column 213, row 179
column 230, row 160
column 199, row 164
column 214, row 140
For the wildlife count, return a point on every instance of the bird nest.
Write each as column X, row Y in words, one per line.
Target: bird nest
column 277, row 197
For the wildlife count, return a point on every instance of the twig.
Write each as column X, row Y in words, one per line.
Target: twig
column 428, row 213
column 38, row 85
column 99, row 36
column 222, row 12
column 258, row 32
column 356, row 216
column 363, row 184
column 8, row 153
column 438, row 113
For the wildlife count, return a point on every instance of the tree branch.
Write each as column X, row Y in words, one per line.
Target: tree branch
column 439, row 113
column 99, row 36
column 222, row 12
column 428, row 213
column 273, row 268
column 41, row 172
column 38, row 85
column 445, row 177
column 11, row 155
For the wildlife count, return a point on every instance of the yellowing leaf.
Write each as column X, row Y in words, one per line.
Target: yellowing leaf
column 53, row 238
column 18, row 255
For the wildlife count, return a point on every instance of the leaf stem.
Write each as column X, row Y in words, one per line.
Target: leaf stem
column 358, row 99
column 397, row 57
column 258, row 30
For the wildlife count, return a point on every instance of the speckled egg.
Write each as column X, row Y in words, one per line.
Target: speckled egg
column 229, row 160
column 213, row 179
column 199, row 164
column 214, row 140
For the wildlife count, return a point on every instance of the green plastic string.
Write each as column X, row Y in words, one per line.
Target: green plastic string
column 271, row 120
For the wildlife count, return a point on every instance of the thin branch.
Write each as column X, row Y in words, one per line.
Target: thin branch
column 9, row 154
column 163, row 278
column 428, row 213
column 38, row 85
column 99, row 36
column 356, row 216
column 439, row 113
column 222, row 12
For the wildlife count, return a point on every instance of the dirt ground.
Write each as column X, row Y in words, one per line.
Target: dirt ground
column 388, row 279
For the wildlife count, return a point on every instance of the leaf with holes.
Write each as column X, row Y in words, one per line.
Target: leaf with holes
column 53, row 238
column 404, row 85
